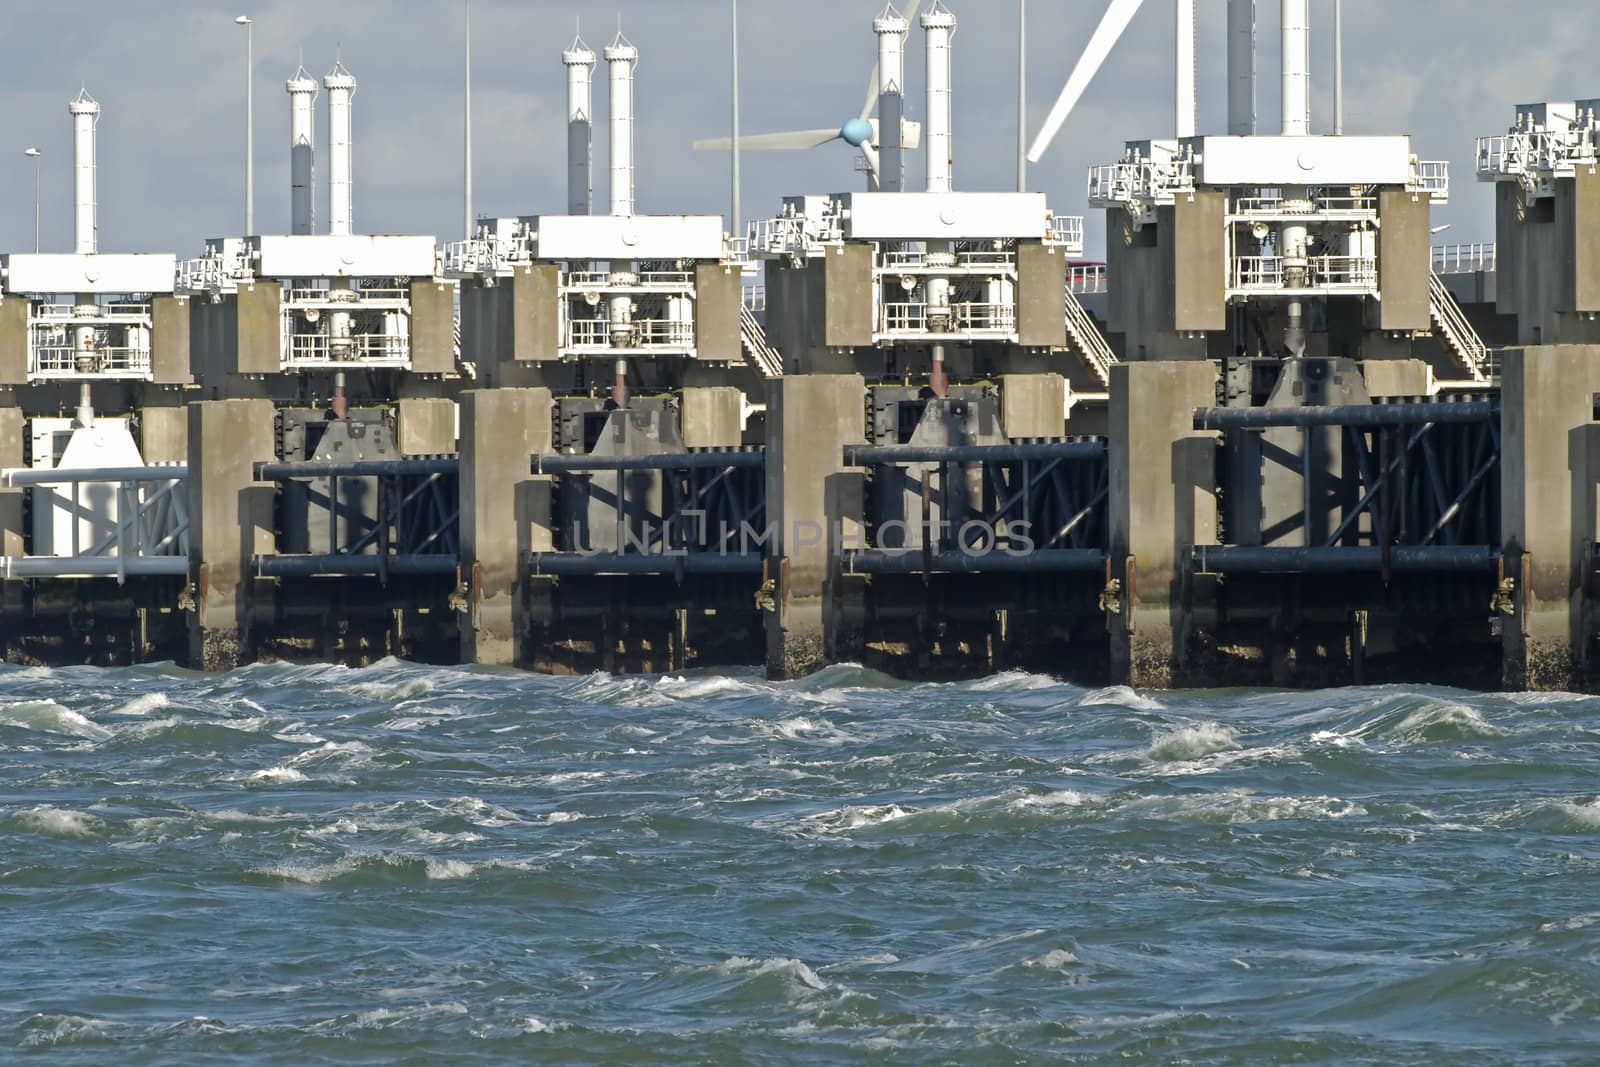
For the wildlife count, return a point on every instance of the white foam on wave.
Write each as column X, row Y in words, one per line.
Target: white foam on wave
column 1012, row 682
column 1118, row 696
column 804, row 728
column 299, row 739
column 388, row 1018
column 276, row 775
column 44, row 1030
column 143, row 704
column 1240, row 806
column 857, row 817
column 1445, row 718
column 57, row 822
column 46, row 716
column 1055, row 960
column 558, row 818
column 1052, row 801
column 1192, row 743
column 393, row 692
column 449, row 870
column 792, row 969
column 1586, row 816
column 698, row 688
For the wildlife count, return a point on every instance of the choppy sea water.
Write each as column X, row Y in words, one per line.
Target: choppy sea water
column 407, row 864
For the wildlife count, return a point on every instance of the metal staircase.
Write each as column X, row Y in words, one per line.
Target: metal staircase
column 757, row 351
column 1455, row 330
column 1089, row 341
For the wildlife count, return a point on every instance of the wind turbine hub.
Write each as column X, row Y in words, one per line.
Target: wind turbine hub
column 856, row 132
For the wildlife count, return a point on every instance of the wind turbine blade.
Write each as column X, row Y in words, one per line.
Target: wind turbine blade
column 794, row 139
column 1106, row 35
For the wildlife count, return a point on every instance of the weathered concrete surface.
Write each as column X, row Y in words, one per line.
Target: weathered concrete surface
column 1033, row 405
column 164, row 434
column 1398, row 377
column 1163, row 501
column 711, row 416
column 230, row 522
column 426, row 425
column 13, row 431
column 813, row 500
column 1547, row 500
column 501, row 429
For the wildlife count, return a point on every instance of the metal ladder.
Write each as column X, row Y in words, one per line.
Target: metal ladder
column 1086, row 335
column 757, row 351
column 1455, row 330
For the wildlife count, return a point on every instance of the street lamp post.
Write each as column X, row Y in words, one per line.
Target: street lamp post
column 34, row 154
column 249, row 124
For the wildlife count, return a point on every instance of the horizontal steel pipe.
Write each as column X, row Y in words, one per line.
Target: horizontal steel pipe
column 1045, row 561
column 357, row 468
column 877, row 455
column 93, row 566
column 18, row 477
column 672, row 461
column 1360, row 416
column 351, row 566
column 697, row 563
column 1441, row 559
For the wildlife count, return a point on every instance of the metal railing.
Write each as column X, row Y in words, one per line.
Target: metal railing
column 1535, row 152
column 1090, row 342
column 372, row 349
column 321, row 297
column 1274, row 205
column 1266, row 274
column 1463, row 258
column 767, row 361
column 755, row 298
column 1457, row 331
column 1132, row 183
column 1067, row 230
column 986, row 261
column 899, row 319
column 1432, row 176
column 60, row 360
column 594, row 335
column 1086, row 278
column 603, row 281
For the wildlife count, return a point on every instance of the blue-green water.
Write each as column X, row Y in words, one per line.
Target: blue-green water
column 420, row 865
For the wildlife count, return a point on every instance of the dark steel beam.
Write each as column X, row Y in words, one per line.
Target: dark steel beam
column 876, row 455
column 556, row 463
column 1233, row 559
column 1370, row 416
column 349, row 566
column 360, row 468
column 696, row 563
column 910, row 561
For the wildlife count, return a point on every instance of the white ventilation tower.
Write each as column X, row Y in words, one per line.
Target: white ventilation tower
column 85, row 112
column 1241, row 67
column 1184, row 70
column 891, row 30
column 579, row 61
column 302, row 90
column 621, row 59
column 341, row 86
column 939, row 26
column 1294, row 237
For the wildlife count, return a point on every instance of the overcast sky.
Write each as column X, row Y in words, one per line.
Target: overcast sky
column 170, row 77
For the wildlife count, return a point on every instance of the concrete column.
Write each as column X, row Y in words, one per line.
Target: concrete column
column 712, row 416
column 230, row 521
column 502, row 505
column 1398, row 377
column 1548, row 510
column 426, row 425
column 1163, row 502
column 164, row 434
column 813, row 501
column 1033, row 405
column 13, row 431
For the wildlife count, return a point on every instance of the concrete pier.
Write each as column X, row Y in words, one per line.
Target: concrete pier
column 501, row 515
column 813, row 501
column 230, row 522
column 1163, row 501
column 1549, row 472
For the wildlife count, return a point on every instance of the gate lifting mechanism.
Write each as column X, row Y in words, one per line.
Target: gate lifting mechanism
column 1417, row 492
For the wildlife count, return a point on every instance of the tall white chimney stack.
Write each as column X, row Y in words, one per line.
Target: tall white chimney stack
column 1296, row 67
column 1184, row 69
column 85, row 114
column 939, row 26
column 302, row 151
column 891, row 31
column 579, row 61
column 341, row 86
column 1241, row 67
column 621, row 59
